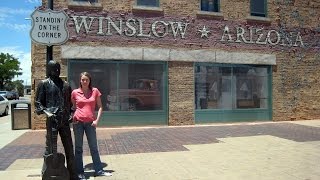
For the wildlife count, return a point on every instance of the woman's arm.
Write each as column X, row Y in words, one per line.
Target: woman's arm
column 99, row 104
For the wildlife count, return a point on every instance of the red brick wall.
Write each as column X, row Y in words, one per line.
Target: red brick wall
column 295, row 77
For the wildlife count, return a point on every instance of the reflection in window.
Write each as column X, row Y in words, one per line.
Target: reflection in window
column 152, row 3
column 124, row 86
column 135, row 92
column 234, row 87
column 210, row 5
column 103, row 76
column 258, row 8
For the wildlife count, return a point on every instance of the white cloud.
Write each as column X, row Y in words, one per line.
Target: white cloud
column 25, row 62
column 34, row 1
column 17, row 27
column 3, row 16
column 6, row 12
column 8, row 15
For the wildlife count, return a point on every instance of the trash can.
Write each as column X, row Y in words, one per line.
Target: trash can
column 20, row 115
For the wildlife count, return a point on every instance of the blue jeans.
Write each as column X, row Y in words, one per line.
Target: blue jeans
column 79, row 129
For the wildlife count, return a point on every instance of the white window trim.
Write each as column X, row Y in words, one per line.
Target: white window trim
column 147, row 8
column 259, row 19
column 209, row 13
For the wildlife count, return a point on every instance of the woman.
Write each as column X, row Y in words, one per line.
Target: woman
column 84, row 100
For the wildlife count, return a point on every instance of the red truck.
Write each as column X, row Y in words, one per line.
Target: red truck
column 144, row 95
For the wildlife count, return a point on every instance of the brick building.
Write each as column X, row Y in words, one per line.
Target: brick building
column 184, row 62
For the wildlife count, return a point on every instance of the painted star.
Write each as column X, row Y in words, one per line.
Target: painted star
column 204, row 32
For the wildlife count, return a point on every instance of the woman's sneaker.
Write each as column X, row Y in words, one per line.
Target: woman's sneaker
column 103, row 173
column 82, row 177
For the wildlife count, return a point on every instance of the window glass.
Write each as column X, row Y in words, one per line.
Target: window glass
column 140, row 87
column 154, row 3
column 239, row 87
column 103, row 77
column 251, row 86
column 124, row 86
column 258, row 8
column 210, row 5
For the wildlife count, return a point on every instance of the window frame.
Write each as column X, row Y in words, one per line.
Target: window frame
column 128, row 118
column 234, row 114
column 218, row 6
column 258, row 14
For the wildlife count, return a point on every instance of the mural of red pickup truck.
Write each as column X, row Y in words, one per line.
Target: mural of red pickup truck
column 143, row 95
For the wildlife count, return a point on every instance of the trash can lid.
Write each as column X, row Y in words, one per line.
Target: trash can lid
column 21, row 102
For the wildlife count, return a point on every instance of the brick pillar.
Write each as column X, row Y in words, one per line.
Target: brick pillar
column 181, row 93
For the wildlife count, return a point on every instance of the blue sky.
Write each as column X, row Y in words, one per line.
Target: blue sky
column 14, row 30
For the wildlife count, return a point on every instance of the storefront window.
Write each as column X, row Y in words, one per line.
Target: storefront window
column 139, row 87
column 131, row 86
column 233, row 87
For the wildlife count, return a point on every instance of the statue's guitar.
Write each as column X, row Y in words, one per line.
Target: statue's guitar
column 55, row 168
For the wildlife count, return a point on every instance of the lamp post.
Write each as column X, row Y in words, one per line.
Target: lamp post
column 44, row 36
column 49, row 48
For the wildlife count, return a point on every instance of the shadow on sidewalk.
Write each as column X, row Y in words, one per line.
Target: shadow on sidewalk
column 89, row 170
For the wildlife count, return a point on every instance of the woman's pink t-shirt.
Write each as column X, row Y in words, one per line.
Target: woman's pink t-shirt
column 85, row 105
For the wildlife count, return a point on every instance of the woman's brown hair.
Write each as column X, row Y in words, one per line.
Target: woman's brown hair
column 89, row 76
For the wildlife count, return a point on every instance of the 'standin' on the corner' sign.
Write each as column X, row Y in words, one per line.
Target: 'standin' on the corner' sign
column 49, row 27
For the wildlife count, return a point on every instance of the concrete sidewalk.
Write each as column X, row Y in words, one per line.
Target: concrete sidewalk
column 240, row 151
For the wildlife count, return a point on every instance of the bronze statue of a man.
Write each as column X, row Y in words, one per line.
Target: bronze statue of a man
column 53, row 97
